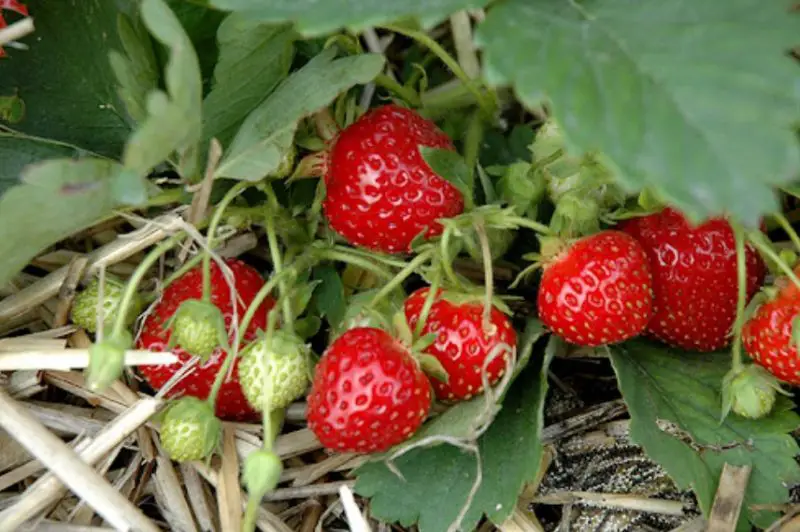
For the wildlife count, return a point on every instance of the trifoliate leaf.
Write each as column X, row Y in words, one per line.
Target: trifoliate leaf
column 674, row 399
column 245, row 46
column 313, row 18
column 266, row 135
column 696, row 99
column 510, row 453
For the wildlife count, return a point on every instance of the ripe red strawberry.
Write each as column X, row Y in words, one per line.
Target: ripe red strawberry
column 11, row 5
column 231, row 402
column 380, row 191
column 368, row 394
column 767, row 335
column 461, row 344
column 598, row 291
column 694, row 278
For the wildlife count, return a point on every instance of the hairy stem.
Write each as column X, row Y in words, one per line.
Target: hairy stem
column 277, row 263
column 398, row 279
column 447, row 262
column 529, row 224
column 406, row 93
column 430, row 298
column 741, row 297
column 488, row 274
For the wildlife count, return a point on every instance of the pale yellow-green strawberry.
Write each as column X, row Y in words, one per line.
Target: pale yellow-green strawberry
column 274, row 372
column 190, row 430
column 84, row 307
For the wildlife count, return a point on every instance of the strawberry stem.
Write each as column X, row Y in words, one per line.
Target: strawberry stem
column 398, row 279
column 487, row 105
column 136, row 278
column 741, row 299
column 430, row 298
column 770, row 253
column 787, row 227
column 406, row 93
column 235, row 190
column 529, row 224
column 361, row 262
column 389, row 261
column 488, row 276
column 275, row 255
column 446, row 261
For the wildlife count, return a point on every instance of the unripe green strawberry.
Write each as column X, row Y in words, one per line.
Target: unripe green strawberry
column 84, row 307
column 261, row 472
column 190, row 430
column 274, row 372
column 751, row 392
column 198, row 327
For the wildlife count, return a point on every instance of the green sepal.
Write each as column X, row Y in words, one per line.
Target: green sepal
column 424, row 342
column 360, row 313
column 107, row 360
column 432, row 367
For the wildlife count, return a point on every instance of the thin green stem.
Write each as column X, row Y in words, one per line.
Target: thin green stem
column 430, row 298
column 769, row 252
column 389, row 261
column 398, row 279
column 787, row 227
column 355, row 261
column 212, row 229
column 446, row 262
column 406, row 93
column 472, row 145
column 251, row 513
column 488, row 276
column 277, row 262
column 136, row 278
column 741, row 298
column 271, row 427
column 530, row 224
column 487, row 106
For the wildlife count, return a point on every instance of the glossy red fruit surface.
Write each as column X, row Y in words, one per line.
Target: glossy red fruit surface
column 462, row 346
column 598, row 291
column 231, row 402
column 368, row 393
column 767, row 335
column 694, row 278
column 380, row 192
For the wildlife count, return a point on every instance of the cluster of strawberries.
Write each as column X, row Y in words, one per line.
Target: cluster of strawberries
column 654, row 274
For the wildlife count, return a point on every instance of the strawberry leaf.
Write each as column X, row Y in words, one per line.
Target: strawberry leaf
column 17, row 151
column 55, row 199
column 313, row 18
column 267, row 133
column 137, row 69
column 639, row 82
column 510, row 452
column 245, row 46
column 674, row 399
column 329, row 294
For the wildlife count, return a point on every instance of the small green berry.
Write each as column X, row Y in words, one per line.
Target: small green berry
column 198, row 327
column 751, row 392
column 273, row 373
column 190, row 430
column 84, row 307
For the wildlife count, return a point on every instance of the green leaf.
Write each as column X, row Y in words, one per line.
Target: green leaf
column 17, row 151
column 174, row 118
column 56, row 198
column 266, row 135
column 705, row 117
column 510, row 453
column 314, row 18
column 245, row 47
column 201, row 24
column 65, row 80
column 136, row 70
column 674, row 399
column 329, row 295
column 452, row 167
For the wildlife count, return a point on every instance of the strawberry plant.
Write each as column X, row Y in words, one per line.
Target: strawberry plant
column 404, row 260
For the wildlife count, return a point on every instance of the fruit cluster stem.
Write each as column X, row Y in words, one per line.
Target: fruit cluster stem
column 136, row 278
column 430, row 298
column 235, row 190
column 488, row 276
column 446, row 261
column 769, row 252
column 741, row 299
column 398, row 279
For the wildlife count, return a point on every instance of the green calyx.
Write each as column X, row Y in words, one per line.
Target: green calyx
column 107, row 360
column 261, row 472
column 85, row 305
column 750, row 392
column 190, row 430
column 274, row 371
column 361, row 313
column 198, row 327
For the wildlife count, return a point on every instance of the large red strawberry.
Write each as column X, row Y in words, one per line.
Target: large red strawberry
column 597, row 291
column 231, row 402
column 368, row 394
column 462, row 346
column 767, row 335
column 380, row 192
column 694, row 278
